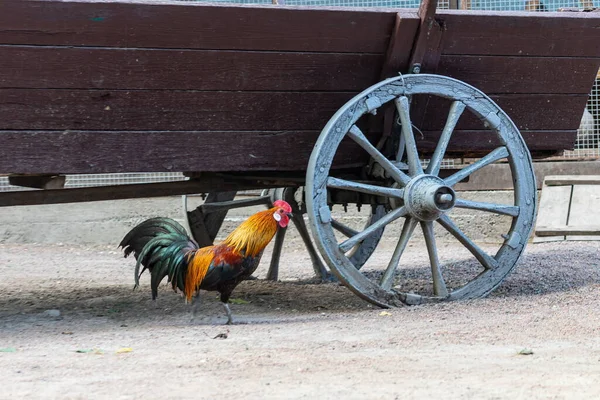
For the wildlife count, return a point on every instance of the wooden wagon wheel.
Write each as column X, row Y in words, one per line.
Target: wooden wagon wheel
column 418, row 194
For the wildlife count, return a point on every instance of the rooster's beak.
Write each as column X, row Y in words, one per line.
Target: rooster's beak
column 289, row 214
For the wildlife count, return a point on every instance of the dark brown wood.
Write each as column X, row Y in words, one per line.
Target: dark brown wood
column 73, row 152
column 38, row 181
column 427, row 46
column 194, row 25
column 401, row 41
column 528, row 112
column 115, row 151
column 117, row 192
column 474, row 142
column 55, row 109
column 76, row 68
column 520, row 34
column 498, row 74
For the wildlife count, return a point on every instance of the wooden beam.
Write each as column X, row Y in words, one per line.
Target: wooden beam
column 561, row 180
column 567, row 230
column 398, row 52
column 427, row 47
column 118, row 192
column 194, row 25
column 144, row 69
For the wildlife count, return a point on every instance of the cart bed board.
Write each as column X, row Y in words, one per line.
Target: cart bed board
column 322, row 106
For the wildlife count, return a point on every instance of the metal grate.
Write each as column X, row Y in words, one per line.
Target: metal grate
column 86, row 180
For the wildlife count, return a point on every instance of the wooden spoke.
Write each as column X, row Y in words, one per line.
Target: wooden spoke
column 456, row 110
column 407, row 231
column 414, row 164
column 343, row 229
column 439, row 286
column 498, row 154
column 513, row 211
column 485, row 259
column 400, row 153
column 364, row 188
column 386, row 219
column 356, row 134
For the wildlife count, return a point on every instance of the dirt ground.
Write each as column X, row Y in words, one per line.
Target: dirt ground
column 296, row 339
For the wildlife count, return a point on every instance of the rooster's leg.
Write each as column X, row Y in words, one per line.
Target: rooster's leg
column 228, row 312
column 195, row 305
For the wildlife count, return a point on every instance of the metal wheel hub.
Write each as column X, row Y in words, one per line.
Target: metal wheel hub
column 426, row 197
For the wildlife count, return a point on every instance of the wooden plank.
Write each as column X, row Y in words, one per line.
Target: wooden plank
column 521, row 33
column 30, row 152
column 553, row 211
column 197, row 110
column 117, row 192
column 560, row 180
column 400, row 46
column 528, row 112
column 580, row 232
column 82, row 68
column 195, row 25
column 498, row 75
column 75, row 152
column 427, row 47
column 475, row 142
column 55, row 109
column 584, row 219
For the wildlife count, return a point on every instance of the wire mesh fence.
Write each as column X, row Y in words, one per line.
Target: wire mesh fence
column 588, row 138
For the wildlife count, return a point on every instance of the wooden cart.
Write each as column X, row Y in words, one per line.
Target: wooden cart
column 333, row 106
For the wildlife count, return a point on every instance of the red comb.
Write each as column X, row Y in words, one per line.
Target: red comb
column 283, row 204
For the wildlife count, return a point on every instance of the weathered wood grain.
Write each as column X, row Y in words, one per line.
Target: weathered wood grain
column 75, row 152
column 117, row 192
column 427, row 46
column 398, row 52
column 264, row 71
column 553, row 212
column 561, row 180
column 72, row 152
column 584, row 219
column 528, row 112
column 191, row 25
column 61, row 67
column 498, row 74
column 478, row 141
column 520, row 34
column 51, row 109
column 581, row 231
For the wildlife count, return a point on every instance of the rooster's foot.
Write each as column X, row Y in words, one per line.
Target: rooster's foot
column 229, row 315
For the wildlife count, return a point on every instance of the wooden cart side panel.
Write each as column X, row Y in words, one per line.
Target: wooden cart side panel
column 139, row 110
column 131, row 151
column 154, row 151
column 100, row 68
column 119, row 87
column 189, row 25
column 520, row 34
column 82, row 68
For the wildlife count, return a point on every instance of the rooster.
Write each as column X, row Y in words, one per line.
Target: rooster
column 164, row 248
